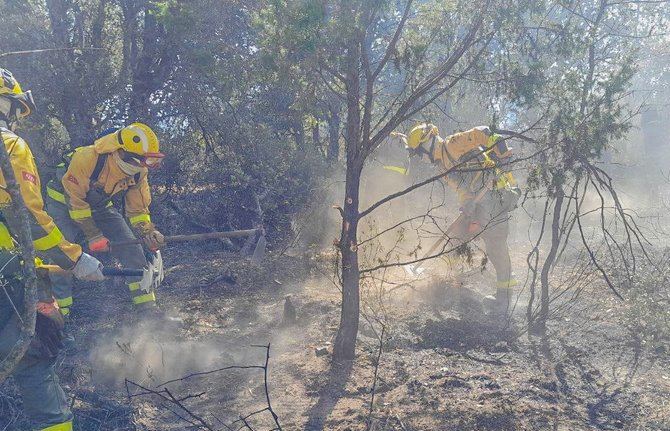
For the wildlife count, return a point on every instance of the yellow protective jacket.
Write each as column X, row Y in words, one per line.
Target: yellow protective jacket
column 76, row 187
column 480, row 172
column 48, row 240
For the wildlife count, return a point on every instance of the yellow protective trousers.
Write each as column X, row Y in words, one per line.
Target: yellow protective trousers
column 493, row 229
column 116, row 229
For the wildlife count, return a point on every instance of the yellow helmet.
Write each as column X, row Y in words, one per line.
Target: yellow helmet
column 421, row 133
column 139, row 139
column 22, row 103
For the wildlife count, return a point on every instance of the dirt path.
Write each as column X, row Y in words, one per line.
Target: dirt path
column 444, row 365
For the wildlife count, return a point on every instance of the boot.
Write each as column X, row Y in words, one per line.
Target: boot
column 498, row 306
column 69, row 341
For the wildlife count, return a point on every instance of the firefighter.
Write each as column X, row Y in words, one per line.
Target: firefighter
column 80, row 200
column 43, row 399
column 487, row 193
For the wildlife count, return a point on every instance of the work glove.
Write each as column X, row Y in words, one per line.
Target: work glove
column 154, row 240
column 99, row 244
column 474, row 227
column 88, row 268
column 49, row 326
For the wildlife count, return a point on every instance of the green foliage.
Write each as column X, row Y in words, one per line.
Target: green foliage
column 241, row 91
column 573, row 75
column 197, row 71
column 174, row 15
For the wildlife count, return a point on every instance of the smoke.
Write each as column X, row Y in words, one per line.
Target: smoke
column 320, row 223
column 150, row 353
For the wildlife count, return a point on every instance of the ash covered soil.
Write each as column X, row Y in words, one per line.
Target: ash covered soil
column 443, row 366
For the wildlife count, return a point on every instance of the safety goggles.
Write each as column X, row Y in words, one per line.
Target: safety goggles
column 421, row 150
column 153, row 160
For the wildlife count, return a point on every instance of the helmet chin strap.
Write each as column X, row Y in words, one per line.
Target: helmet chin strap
column 428, row 152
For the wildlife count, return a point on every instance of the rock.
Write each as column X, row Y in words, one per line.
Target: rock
column 501, row 346
column 456, row 382
column 321, row 351
column 289, row 317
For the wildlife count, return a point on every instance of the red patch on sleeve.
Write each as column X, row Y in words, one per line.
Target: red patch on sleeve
column 27, row 176
column 72, row 179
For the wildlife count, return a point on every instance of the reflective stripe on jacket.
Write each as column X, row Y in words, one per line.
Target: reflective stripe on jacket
column 47, row 238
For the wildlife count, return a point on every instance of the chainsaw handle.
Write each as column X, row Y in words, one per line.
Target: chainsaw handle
column 122, row 272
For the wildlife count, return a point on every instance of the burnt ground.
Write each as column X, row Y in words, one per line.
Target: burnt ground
column 444, row 365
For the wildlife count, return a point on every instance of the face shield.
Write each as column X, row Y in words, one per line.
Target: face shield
column 24, row 104
column 419, row 151
column 17, row 106
column 502, row 150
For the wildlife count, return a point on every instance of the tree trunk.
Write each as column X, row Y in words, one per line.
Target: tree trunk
column 535, row 254
column 298, row 133
column 144, row 72
column 345, row 341
column 541, row 323
column 334, row 133
column 316, row 135
column 22, row 231
column 76, row 115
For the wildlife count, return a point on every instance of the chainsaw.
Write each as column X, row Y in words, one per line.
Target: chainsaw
column 153, row 275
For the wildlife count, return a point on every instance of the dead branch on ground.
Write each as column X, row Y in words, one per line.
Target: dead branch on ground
column 176, row 404
column 374, row 380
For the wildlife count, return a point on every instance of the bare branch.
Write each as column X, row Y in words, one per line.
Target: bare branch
column 374, row 380
column 394, row 40
column 593, row 257
column 191, row 417
column 39, row 51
